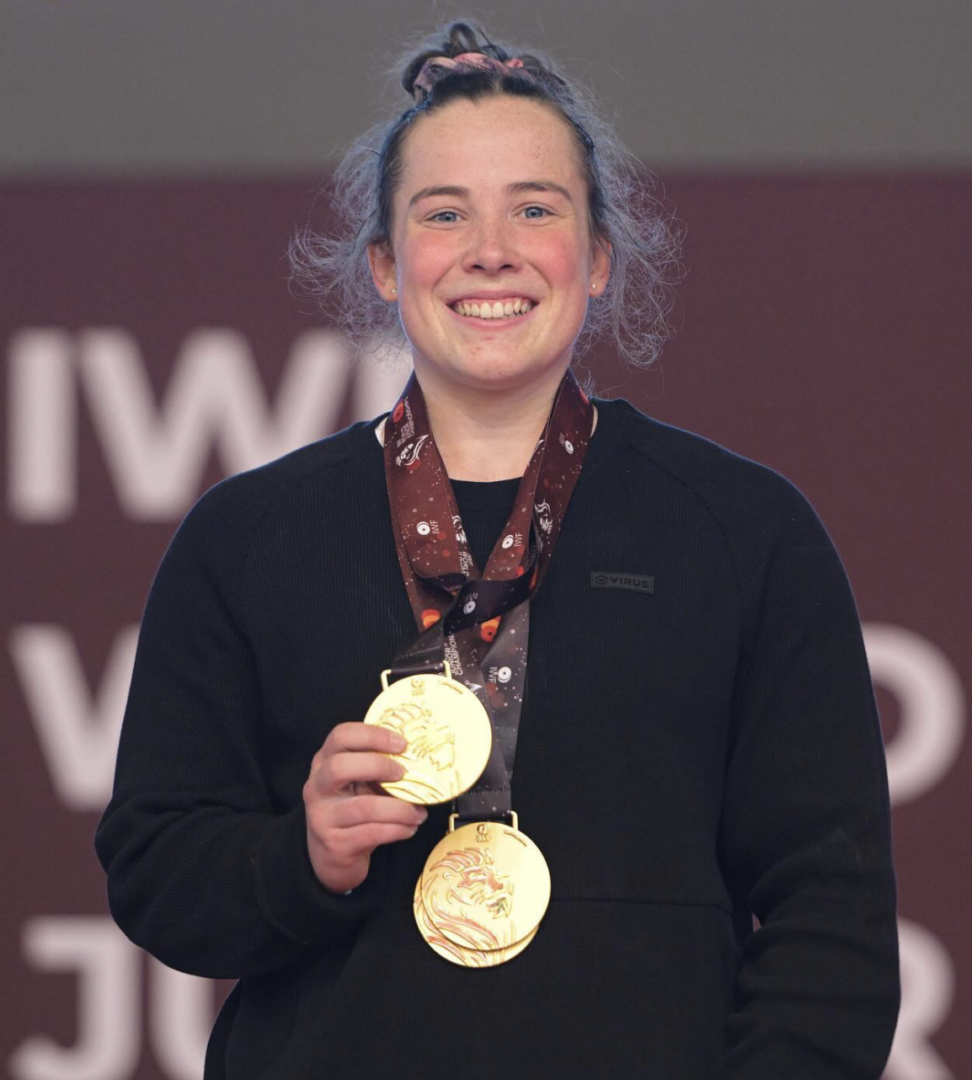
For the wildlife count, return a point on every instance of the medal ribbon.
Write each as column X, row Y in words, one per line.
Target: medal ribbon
column 479, row 622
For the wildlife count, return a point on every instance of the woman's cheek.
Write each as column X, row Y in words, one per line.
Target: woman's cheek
column 561, row 256
column 429, row 258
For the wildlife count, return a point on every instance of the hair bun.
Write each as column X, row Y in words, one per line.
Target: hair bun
column 464, row 39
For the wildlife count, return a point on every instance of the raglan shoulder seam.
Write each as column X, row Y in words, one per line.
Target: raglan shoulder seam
column 776, row 484
column 276, row 490
column 710, row 511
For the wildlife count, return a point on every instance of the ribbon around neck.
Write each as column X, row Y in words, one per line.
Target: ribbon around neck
column 479, row 621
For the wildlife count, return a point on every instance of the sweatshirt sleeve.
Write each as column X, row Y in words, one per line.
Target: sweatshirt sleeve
column 204, row 872
column 806, row 829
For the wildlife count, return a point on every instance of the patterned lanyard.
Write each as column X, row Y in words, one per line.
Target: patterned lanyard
column 480, row 623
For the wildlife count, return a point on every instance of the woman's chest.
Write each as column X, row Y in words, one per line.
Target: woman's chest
column 632, row 653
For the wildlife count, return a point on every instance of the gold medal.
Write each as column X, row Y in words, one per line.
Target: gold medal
column 448, row 950
column 484, row 889
column 448, row 733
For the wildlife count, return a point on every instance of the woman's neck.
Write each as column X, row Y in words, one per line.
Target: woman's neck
column 487, row 435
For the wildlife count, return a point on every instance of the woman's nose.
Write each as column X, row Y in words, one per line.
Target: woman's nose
column 492, row 248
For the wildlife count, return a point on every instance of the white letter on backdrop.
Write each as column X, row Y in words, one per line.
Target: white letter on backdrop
column 931, row 707
column 107, row 967
column 77, row 730
column 42, row 427
column 215, row 398
column 181, row 1015
column 927, row 991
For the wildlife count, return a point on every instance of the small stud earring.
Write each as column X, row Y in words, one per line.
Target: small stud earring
column 394, row 289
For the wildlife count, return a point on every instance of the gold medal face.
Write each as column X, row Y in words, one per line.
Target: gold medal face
column 448, row 733
column 485, row 887
column 448, row 950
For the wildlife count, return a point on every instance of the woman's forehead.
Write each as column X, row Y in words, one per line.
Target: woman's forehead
column 489, row 142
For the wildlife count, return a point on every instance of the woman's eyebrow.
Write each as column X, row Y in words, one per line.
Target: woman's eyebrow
column 539, row 185
column 427, row 192
column 514, row 188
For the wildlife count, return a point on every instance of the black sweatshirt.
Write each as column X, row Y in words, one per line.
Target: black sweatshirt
column 689, row 756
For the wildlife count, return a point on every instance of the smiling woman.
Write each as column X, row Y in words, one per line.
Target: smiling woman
column 616, row 196
column 459, row 254
column 500, row 187
column 683, row 692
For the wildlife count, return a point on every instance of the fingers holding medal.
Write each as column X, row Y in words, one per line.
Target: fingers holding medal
column 344, row 825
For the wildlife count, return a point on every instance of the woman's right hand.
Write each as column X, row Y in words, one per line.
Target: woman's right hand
column 346, row 819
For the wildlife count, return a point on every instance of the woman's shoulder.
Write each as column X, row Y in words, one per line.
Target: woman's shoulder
column 693, row 458
column 747, row 498
column 233, row 508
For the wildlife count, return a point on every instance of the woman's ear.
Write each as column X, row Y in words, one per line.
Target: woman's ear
column 601, row 263
column 382, row 264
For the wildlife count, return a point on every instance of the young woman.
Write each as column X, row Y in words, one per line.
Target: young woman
column 658, row 635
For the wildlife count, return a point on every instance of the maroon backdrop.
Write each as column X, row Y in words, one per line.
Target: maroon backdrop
column 151, row 346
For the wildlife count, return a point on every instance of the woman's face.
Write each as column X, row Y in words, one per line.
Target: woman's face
column 491, row 209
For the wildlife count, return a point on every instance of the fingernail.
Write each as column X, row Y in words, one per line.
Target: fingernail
column 398, row 742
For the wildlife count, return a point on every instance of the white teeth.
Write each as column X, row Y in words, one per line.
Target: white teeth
column 496, row 309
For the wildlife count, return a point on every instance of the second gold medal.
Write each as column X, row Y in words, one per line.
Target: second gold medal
column 483, row 891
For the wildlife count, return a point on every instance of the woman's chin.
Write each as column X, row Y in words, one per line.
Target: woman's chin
column 491, row 370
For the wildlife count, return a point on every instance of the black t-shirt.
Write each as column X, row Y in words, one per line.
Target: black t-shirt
column 484, row 507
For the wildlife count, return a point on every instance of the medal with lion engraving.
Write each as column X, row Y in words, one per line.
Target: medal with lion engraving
column 448, row 950
column 485, row 887
column 448, row 733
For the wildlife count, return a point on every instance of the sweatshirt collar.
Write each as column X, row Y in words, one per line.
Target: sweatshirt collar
column 612, row 414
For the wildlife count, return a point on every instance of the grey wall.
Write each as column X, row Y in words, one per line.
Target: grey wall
column 136, row 87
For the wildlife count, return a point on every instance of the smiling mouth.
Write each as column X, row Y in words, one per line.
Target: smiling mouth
column 492, row 314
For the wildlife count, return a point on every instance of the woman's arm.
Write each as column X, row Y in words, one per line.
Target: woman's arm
column 202, row 872
column 806, row 830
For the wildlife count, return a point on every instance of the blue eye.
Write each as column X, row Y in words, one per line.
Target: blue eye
column 437, row 216
column 543, row 210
